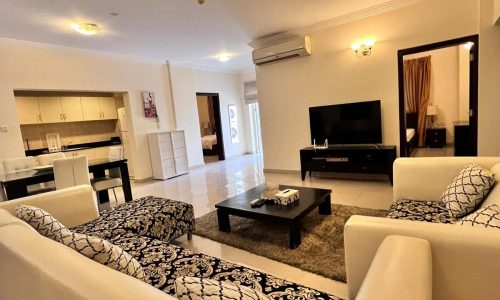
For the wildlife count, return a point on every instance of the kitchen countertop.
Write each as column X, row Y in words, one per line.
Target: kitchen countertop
column 76, row 147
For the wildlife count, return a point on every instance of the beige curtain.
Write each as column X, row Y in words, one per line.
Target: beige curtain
column 417, row 78
column 211, row 114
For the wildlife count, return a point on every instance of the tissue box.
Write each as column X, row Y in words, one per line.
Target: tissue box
column 286, row 197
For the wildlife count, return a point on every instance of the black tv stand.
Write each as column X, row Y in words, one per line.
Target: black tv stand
column 368, row 159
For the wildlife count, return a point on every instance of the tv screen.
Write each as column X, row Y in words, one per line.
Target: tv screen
column 351, row 123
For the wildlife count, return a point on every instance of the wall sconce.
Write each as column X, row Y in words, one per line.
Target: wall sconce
column 363, row 48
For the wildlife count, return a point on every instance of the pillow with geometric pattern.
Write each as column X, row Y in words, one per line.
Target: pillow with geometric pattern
column 190, row 288
column 466, row 192
column 487, row 217
column 94, row 248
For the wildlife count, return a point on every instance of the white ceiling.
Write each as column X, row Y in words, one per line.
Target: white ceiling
column 177, row 30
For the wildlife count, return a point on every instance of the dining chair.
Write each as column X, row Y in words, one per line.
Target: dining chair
column 12, row 165
column 47, row 159
column 114, row 179
column 71, row 171
column 20, row 164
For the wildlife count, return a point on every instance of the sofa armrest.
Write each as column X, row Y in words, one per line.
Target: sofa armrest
column 465, row 262
column 71, row 206
column 401, row 269
column 425, row 178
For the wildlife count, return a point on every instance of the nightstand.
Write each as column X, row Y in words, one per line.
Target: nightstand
column 435, row 137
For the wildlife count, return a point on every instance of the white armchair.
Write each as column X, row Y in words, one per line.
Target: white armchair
column 465, row 260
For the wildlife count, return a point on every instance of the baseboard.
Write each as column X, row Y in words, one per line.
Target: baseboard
column 280, row 171
column 141, row 180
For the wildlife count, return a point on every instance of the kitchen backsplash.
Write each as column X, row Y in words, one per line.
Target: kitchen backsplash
column 74, row 132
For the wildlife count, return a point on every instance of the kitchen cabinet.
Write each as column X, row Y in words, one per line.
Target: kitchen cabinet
column 71, row 109
column 50, row 109
column 91, row 108
column 101, row 152
column 99, row 108
column 28, row 110
column 108, row 108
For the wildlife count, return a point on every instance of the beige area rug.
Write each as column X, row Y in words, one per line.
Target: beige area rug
column 321, row 250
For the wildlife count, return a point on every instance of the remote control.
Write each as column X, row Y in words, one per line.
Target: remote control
column 257, row 202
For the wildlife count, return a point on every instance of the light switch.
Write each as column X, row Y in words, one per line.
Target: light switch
column 4, row 128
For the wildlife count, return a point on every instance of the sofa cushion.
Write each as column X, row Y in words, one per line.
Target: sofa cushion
column 6, row 218
column 95, row 248
column 494, row 195
column 466, row 192
column 426, row 211
column 488, row 217
column 188, row 288
column 150, row 216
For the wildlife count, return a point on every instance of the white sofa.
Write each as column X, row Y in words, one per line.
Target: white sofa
column 35, row 267
column 465, row 260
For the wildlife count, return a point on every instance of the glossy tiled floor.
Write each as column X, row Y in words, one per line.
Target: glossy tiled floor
column 205, row 186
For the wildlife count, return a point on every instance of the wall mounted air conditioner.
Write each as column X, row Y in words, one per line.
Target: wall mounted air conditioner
column 294, row 48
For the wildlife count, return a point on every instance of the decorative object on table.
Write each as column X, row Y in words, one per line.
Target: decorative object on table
column 432, row 110
column 149, row 105
column 286, row 197
column 233, row 124
column 270, row 189
column 53, row 142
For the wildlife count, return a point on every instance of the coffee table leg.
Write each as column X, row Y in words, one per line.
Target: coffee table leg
column 294, row 227
column 325, row 208
column 223, row 219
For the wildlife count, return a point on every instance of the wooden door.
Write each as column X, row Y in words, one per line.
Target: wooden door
column 50, row 109
column 72, row 109
column 91, row 108
column 108, row 108
column 28, row 110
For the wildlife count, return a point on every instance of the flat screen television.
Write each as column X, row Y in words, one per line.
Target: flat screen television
column 350, row 123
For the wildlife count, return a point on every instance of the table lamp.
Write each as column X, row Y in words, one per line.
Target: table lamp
column 432, row 110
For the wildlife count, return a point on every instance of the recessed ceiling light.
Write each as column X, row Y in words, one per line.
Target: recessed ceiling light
column 223, row 57
column 85, row 28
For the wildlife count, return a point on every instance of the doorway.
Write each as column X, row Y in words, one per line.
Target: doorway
column 433, row 123
column 253, row 109
column 210, row 123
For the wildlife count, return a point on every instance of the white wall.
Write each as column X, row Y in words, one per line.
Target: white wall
column 445, row 88
column 334, row 75
column 34, row 66
column 186, row 82
column 489, row 87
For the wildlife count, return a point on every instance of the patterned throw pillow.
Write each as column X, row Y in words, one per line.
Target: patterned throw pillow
column 95, row 248
column 467, row 190
column 191, row 288
column 488, row 217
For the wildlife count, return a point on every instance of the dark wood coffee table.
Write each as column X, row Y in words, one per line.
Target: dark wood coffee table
column 310, row 198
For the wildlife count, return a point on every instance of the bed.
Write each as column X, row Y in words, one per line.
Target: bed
column 209, row 145
column 411, row 133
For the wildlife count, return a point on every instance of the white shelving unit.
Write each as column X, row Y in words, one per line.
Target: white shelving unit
column 168, row 154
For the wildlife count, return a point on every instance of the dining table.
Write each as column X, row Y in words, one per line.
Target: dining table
column 15, row 185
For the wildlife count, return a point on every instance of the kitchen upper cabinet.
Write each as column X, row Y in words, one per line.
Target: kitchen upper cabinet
column 28, row 110
column 99, row 108
column 72, row 109
column 108, row 108
column 50, row 109
column 91, row 108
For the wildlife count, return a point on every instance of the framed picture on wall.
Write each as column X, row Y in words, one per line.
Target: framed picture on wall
column 148, row 99
column 233, row 124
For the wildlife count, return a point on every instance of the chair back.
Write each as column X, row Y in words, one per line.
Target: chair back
column 47, row 159
column 12, row 165
column 71, row 171
column 115, row 153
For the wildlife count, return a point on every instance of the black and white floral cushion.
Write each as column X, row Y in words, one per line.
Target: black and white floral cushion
column 488, row 217
column 190, row 288
column 150, row 216
column 95, row 248
column 414, row 210
column 467, row 190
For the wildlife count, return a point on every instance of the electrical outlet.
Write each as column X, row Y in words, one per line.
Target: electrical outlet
column 4, row 128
